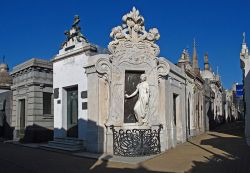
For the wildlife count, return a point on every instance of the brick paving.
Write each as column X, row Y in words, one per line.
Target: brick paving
column 223, row 150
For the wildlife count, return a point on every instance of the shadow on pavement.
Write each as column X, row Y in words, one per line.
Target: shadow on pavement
column 233, row 154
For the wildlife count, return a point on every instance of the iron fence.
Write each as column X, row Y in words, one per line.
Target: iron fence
column 136, row 142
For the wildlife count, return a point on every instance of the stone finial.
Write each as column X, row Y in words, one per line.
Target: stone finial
column 244, row 38
column 184, row 56
column 195, row 57
column 210, row 68
column 206, row 63
column 74, row 35
column 217, row 76
column 133, row 30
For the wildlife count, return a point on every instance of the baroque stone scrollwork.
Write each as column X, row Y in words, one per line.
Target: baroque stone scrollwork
column 163, row 68
column 103, row 67
column 133, row 32
column 74, row 34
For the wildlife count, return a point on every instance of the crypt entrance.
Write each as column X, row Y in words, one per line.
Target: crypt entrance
column 72, row 112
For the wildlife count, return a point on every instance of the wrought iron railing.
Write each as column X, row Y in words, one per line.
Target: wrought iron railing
column 136, row 142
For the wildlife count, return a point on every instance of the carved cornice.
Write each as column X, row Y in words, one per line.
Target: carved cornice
column 90, row 69
column 31, row 65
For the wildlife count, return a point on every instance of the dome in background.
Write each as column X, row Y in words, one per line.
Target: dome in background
column 206, row 74
column 5, row 78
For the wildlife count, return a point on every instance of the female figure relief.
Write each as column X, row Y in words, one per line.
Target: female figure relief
column 142, row 104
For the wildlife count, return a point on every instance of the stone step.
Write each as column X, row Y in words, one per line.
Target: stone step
column 50, row 147
column 69, row 140
column 66, row 144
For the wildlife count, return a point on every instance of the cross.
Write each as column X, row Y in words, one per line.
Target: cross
column 3, row 59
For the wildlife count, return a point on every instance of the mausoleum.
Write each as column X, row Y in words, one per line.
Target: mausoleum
column 32, row 111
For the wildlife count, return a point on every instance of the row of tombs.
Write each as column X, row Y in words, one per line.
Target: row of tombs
column 124, row 100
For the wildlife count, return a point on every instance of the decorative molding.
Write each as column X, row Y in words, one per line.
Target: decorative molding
column 90, row 69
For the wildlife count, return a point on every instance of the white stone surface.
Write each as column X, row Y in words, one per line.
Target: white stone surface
column 68, row 71
column 245, row 65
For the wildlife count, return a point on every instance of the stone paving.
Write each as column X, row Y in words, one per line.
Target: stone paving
column 223, row 150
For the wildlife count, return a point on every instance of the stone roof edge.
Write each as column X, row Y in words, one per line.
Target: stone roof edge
column 32, row 62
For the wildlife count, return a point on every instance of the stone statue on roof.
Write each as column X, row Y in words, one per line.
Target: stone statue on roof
column 74, row 35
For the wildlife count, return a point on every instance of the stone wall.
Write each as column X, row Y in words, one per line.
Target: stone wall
column 30, row 80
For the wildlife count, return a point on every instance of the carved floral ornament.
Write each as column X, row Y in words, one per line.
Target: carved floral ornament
column 133, row 32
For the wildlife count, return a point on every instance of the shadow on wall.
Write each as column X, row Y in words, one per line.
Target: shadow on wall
column 93, row 134
column 213, row 123
column 235, row 156
column 210, row 115
column 6, row 131
column 246, row 106
column 36, row 134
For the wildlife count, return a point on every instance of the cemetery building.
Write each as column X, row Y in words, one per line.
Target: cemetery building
column 245, row 66
column 102, row 98
column 32, row 110
column 229, row 106
column 215, row 110
column 108, row 101
column 234, row 104
column 143, row 93
column 6, row 132
column 196, row 119
column 71, row 101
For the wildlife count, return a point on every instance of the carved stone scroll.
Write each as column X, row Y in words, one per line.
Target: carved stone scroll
column 163, row 68
column 103, row 67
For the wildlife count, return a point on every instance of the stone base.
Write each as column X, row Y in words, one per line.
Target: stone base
column 36, row 134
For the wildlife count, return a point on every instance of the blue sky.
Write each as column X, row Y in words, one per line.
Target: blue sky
column 31, row 28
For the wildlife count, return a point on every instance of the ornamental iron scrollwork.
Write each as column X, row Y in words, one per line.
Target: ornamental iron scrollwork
column 136, row 142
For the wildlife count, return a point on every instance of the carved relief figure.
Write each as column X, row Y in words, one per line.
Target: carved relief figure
column 142, row 104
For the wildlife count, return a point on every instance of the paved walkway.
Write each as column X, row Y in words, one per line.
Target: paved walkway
column 223, row 150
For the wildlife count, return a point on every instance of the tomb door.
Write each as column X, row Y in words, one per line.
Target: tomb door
column 22, row 118
column 72, row 112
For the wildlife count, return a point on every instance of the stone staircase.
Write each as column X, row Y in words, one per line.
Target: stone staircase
column 66, row 144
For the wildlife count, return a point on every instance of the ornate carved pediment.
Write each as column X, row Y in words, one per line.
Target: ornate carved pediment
column 132, row 34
